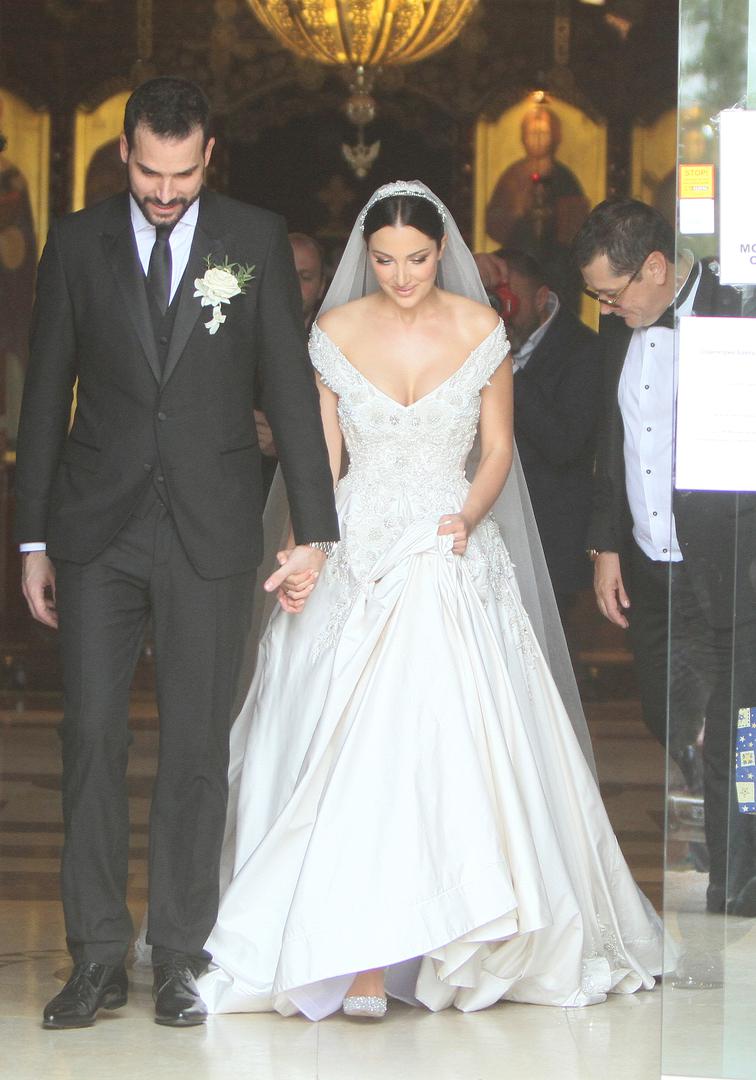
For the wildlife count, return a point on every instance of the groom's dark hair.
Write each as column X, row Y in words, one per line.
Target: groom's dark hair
column 171, row 108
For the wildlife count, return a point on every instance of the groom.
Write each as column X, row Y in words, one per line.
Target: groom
column 149, row 507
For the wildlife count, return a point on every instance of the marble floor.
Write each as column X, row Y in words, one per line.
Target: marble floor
column 621, row 1039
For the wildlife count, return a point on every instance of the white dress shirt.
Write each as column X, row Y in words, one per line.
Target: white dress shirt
column 646, row 395
column 180, row 240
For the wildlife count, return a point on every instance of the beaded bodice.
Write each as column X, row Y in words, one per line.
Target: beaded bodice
column 407, row 469
column 419, row 450
column 405, row 462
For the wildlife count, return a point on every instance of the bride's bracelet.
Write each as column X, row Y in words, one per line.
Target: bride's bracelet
column 326, row 546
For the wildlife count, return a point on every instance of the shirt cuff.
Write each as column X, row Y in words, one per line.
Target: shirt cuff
column 33, row 546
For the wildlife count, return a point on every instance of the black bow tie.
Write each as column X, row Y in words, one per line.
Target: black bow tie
column 667, row 318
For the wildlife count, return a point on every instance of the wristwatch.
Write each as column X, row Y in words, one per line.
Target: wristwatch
column 593, row 554
column 326, row 546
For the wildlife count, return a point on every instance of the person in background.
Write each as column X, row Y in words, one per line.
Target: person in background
column 557, row 380
column 309, row 263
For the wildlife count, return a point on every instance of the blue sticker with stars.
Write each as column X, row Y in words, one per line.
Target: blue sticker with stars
column 745, row 761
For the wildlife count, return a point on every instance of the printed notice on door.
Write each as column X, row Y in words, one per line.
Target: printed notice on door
column 737, row 214
column 716, row 405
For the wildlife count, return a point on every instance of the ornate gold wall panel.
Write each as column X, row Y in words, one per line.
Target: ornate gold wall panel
column 498, row 145
column 581, row 152
column 28, row 133
column 654, row 155
column 92, row 130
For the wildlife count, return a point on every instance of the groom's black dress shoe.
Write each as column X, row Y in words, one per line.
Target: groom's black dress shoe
column 177, row 999
column 91, row 987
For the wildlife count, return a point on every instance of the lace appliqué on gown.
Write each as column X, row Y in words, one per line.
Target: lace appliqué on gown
column 408, row 463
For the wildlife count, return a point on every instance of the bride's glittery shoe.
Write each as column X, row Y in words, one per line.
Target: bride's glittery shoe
column 373, row 1008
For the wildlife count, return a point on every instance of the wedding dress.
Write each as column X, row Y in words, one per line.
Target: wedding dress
column 407, row 791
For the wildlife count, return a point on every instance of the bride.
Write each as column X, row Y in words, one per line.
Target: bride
column 411, row 811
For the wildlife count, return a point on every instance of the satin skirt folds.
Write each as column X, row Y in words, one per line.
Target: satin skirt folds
column 411, row 795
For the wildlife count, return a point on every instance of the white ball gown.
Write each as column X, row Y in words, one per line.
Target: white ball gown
column 407, row 791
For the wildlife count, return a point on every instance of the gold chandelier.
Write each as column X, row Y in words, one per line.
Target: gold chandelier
column 363, row 35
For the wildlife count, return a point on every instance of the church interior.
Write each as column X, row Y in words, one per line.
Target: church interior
column 310, row 137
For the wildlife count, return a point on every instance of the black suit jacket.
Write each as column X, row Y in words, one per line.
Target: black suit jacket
column 556, row 408
column 716, row 529
column 189, row 428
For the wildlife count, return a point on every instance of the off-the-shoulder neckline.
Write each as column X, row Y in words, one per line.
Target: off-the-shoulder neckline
column 399, row 404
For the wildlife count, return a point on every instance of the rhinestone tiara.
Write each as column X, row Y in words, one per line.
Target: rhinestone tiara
column 401, row 187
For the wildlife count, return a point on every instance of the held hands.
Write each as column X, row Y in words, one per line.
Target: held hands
column 459, row 527
column 610, row 591
column 38, row 587
column 298, row 574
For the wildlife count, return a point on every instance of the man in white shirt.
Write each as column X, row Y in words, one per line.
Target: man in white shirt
column 652, row 548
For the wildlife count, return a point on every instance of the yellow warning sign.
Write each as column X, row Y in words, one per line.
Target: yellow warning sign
column 696, row 181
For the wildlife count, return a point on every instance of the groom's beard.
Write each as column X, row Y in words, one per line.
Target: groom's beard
column 181, row 204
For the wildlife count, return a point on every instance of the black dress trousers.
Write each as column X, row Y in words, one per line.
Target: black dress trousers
column 690, row 674
column 199, row 627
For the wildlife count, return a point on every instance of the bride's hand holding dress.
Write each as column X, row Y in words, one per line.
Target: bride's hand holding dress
column 459, row 528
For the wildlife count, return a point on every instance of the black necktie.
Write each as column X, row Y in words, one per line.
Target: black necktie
column 159, row 271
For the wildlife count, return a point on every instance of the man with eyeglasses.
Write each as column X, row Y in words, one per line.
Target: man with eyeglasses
column 651, row 546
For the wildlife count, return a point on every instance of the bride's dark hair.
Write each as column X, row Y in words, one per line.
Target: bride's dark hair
column 412, row 210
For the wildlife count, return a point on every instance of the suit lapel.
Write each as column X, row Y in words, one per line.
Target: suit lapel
column 207, row 241
column 617, row 340
column 541, row 359
column 121, row 253
column 617, row 337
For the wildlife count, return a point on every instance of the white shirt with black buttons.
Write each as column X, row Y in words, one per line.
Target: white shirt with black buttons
column 647, row 394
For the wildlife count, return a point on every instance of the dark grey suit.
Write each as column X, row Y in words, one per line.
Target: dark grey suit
column 556, row 406
column 151, row 508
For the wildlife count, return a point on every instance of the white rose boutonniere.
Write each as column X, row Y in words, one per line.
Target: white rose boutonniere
column 218, row 285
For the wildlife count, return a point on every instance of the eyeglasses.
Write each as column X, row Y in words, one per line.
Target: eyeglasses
column 612, row 299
